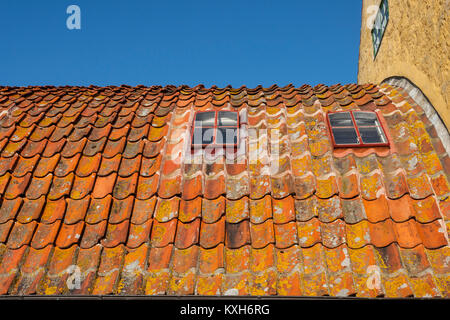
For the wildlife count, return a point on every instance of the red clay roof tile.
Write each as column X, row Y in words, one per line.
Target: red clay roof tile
column 4, row 182
column 9, row 267
column 283, row 210
column 212, row 234
column 69, row 234
column 333, row 234
column 60, row 186
column 32, row 271
column 143, row 210
column 313, row 262
column 237, row 210
column 139, row 233
column 46, row 166
column 163, row 233
column 98, row 210
column 21, row 234
column 129, row 166
column 166, row 210
column 187, row 234
column 76, row 210
column 377, row 210
column 133, row 271
column 82, row 186
column 30, row 210
column 25, row 165
column 109, row 165
column 159, row 258
column 104, row 185
column 190, row 209
column 116, row 234
column 45, row 234
column 17, row 186
column 114, row 147
column 212, row 210
column 308, row 232
column 7, row 164
column 88, row 261
column 5, row 227
column 169, row 187
column 125, row 186
column 51, row 148
column 39, row 187
column 108, row 271
column 285, row 235
column 53, row 210
column 88, row 165
column 92, row 234
column 262, row 234
column 434, row 234
column 214, row 187
column 237, row 234
column 397, row 286
column 427, row 210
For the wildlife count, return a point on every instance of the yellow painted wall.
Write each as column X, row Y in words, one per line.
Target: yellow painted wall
column 416, row 45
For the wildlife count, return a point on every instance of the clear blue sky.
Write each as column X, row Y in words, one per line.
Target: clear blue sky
column 180, row 42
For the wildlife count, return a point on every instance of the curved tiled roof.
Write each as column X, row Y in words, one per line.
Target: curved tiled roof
column 90, row 180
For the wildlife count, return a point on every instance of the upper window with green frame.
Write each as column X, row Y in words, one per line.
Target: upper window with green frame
column 379, row 26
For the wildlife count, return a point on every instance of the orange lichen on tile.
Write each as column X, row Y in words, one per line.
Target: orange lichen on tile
column 108, row 272
column 358, row 235
column 283, row 210
column 237, row 210
column 397, row 286
column 166, row 209
column 190, row 209
column 309, row 232
column 260, row 210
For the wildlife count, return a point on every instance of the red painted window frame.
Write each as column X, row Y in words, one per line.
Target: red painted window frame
column 213, row 144
column 361, row 144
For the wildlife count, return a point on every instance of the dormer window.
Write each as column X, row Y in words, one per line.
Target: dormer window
column 356, row 129
column 215, row 128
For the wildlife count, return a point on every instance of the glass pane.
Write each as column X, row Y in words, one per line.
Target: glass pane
column 345, row 136
column 383, row 24
column 226, row 136
column 372, row 135
column 365, row 118
column 384, row 8
column 227, row 118
column 203, row 136
column 341, row 119
column 205, row 119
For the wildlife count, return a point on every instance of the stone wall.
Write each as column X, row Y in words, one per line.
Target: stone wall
column 415, row 45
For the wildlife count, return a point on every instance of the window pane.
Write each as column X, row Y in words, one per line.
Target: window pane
column 227, row 118
column 365, row 118
column 226, row 136
column 383, row 8
column 345, row 136
column 341, row 119
column 372, row 135
column 384, row 24
column 205, row 119
column 203, row 136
